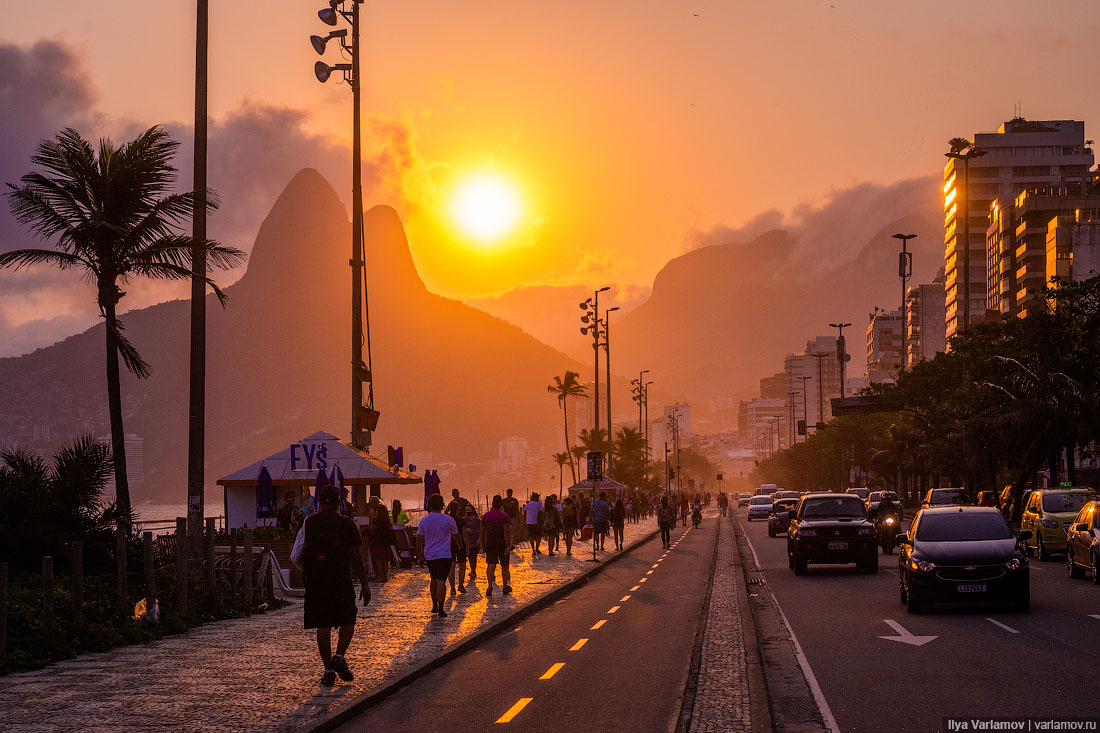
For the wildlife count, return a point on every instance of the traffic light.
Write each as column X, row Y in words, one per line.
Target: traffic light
column 671, row 472
column 801, row 427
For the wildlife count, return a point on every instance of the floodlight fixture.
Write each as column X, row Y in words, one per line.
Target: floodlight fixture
column 323, row 71
column 605, row 287
column 319, row 42
column 328, row 15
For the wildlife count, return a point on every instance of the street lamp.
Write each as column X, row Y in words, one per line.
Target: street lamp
column 592, row 321
column 905, row 271
column 790, row 404
column 607, row 349
column 638, row 394
column 966, row 157
column 842, row 355
column 364, row 418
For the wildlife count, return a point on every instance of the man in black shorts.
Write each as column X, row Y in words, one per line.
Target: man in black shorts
column 496, row 538
column 330, row 552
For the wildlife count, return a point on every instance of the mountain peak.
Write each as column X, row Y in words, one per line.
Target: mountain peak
column 386, row 249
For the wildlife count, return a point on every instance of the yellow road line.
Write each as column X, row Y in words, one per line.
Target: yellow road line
column 552, row 671
column 613, row 609
column 654, row 565
column 642, row 580
column 624, row 599
column 599, row 623
column 577, row 647
column 649, row 572
column 635, row 588
column 514, row 710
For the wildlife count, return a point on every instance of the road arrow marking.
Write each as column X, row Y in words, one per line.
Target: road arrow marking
column 905, row 636
column 1095, row 616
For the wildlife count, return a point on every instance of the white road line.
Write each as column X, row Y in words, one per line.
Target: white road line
column 1009, row 629
column 819, row 696
column 752, row 549
column 1095, row 616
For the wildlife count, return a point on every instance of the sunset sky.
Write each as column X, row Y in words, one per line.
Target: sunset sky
column 626, row 129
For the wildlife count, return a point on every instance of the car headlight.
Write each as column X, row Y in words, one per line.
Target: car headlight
column 807, row 533
column 889, row 520
column 1049, row 523
column 1014, row 563
column 922, row 565
column 865, row 531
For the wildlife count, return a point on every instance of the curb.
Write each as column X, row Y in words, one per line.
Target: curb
column 376, row 695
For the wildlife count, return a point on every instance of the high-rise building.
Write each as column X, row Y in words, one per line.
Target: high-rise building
column 1073, row 246
column 822, row 385
column 885, row 335
column 765, row 423
column 924, row 321
column 1020, row 154
column 774, row 387
column 512, row 453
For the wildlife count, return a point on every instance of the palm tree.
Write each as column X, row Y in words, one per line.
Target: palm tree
column 561, row 459
column 594, row 440
column 113, row 216
column 564, row 387
column 959, row 144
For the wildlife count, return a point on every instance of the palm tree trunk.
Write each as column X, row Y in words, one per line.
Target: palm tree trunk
column 114, row 404
column 568, row 449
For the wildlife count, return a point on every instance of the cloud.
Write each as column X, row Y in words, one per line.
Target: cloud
column 254, row 151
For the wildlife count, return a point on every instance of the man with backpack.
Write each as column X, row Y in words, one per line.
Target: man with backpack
column 666, row 518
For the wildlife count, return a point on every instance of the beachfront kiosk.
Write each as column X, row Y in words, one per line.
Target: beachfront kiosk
column 250, row 500
column 585, row 486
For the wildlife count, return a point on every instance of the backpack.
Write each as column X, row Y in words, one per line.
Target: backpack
column 549, row 519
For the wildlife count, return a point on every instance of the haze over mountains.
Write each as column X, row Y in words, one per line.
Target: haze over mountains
column 449, row 379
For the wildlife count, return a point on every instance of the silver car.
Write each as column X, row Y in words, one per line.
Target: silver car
column 760, row 507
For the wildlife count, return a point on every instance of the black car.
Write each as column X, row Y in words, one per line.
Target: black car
column 962, row 554
column 947, row 497
column 831, row 528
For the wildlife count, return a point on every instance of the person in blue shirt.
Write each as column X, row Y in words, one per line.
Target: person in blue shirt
column 601, row 513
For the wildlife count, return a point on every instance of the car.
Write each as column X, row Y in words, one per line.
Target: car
column 779, row 519
column 1006, row 499
column 766, row 489
column 861, row 493
column 785, row 494
column 831, row 528
column 962, row 554
column 946, row 497
column 759, row 507
column 1048, row 513
column 743, row 498
column 1083, row 542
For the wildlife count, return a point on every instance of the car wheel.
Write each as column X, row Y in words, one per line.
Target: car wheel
column 1028, row 549
column 903, row 593
column 1074, row 571
column 1041, row 550
column 799, row 564
column 913, row 604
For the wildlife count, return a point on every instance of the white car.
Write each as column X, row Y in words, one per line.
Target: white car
column 760, row 507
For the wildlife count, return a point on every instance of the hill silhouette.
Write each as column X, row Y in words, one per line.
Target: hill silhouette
column 449, row 379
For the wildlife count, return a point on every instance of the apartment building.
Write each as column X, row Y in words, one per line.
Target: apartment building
column 925, row 334
column 885, row 339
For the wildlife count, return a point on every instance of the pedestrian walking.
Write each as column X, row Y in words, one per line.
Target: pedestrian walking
column 327, row 549
column 381, row 538
column 683, row 509
column 511, row 508
column 458, row 547
column 551, row 524
column 618, row 519
column 723, row 504
column 433, row 543
column 666, row 519
column 601, row 516
column 496, row 538
column 532, row 511
column 569, row 522
column 472, row 535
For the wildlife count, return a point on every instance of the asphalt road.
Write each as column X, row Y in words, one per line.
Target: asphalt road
column 984, row 660
column 610, row 656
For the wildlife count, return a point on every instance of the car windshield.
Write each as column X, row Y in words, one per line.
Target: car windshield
column 861, row 493
column 761, row 500
column 1066, row 501
column 950, row 496
column 783, row 506
column 874, row 496
column 963, row 527
column 838, row 506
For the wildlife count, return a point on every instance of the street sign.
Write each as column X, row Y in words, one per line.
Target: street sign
column 719, row 477
column 595, row 465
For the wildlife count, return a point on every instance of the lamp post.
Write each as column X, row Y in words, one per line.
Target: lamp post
column 805, row 414
column 790, row 404
column 364, row 418
column 591, row 319
column 841, row 352
column 966, row 157
column 905, row 271
column 196, row 413
column 638, row 394
column 607, row 350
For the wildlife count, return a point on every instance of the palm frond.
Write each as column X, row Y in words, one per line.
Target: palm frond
column 134, row 362
column 20, row 258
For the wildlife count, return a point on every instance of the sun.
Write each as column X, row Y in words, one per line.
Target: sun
column 486, row 208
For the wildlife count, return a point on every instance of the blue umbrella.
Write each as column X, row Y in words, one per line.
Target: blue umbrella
column 265, row 494
column 338, row 480
column 320, row 483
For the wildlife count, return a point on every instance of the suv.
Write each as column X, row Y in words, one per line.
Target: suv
column 831, row 528
column 1048, row 513
column 947, row 497
column 861, row 493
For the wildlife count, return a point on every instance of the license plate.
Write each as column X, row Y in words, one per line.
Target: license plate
column 972, row 588
column 838, row 545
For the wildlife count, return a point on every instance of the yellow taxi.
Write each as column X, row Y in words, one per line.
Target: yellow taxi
column 1083, row 543
column 1048, row 514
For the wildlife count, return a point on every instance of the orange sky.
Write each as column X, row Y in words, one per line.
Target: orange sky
column 628, row 124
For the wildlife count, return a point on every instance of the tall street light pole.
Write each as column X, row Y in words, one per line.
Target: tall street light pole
column 805, row 414
column 196, row 418
column 820, row 390
column 607, row 349
column 790, row 404
column 841, row 352
column 966, row 157
column 645, row 408
column 905, row 271
column 364, row 418
column 591, row 319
